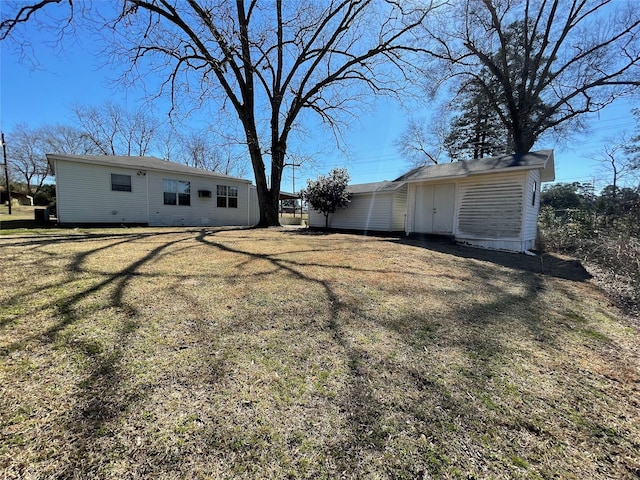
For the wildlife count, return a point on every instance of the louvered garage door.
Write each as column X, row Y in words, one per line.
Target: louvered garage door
column 491, row 210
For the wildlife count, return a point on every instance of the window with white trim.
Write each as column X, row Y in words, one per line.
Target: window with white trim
column 227, row 197
column 176, row 192
column 120, row 183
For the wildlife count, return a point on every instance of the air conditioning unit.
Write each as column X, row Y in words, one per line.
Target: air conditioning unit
column 204, row 193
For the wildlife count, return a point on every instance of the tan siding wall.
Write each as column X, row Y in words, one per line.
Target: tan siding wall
column 491, row 206
column 85, row 195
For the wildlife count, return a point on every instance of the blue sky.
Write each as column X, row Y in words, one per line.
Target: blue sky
column 44, row 93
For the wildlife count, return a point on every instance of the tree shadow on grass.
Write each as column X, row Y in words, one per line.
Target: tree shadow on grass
column 439, row 407
column 360, row 405
column 102, row 395
column 546, row 263
column 434, row 404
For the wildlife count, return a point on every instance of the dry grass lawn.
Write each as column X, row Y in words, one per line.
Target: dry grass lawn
column 178, row 353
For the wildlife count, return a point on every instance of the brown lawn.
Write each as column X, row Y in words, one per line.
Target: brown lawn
column 188, row 353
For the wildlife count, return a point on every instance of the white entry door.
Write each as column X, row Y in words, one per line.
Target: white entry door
column 434, row 208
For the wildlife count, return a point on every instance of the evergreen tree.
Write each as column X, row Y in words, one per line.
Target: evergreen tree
column 543, row 65
column 477, row 131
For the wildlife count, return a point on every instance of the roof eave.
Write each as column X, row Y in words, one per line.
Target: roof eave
column 79, row 159
column 548, row 172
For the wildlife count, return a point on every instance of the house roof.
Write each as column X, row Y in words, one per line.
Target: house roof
column 542, row 160
column 142, row 163
column 384, row 186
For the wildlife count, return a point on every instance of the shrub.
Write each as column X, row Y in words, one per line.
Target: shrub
column 612, row 251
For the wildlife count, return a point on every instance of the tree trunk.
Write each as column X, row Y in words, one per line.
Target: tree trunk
column 268, row 198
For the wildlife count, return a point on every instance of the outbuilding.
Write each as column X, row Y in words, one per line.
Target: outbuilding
column 374, row 207
column 490, row 202
column 101, row 189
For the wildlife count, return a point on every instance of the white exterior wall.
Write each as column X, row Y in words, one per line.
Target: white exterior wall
column 83, row 195
column 254, row 207
column 367, row 212
column 532, row 208
column 495, row 210
column 491, row 211
column 399, row 209
column 202, row 211
column 412, row 211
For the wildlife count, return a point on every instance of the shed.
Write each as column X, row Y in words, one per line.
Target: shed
column 374, row 207
column 490, row 202
column 101, row 189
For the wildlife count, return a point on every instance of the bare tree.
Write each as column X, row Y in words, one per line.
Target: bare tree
column 115, row 131
column 268, row 61
column 29, row 146
column 65, row 139
column 616, row 162
column 553, row 61
column 26, row 158
column 420, row 143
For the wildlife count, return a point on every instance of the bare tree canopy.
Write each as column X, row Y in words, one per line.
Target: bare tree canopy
column 28, row 148
column 267, row 61
column 419, row 143
column 115, row 131
column 549, row 62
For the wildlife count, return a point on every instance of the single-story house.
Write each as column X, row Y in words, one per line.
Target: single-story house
column 490, row 202
column 103, row 189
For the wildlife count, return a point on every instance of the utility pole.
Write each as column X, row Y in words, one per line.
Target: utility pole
column 6, row 171
column 293, row 169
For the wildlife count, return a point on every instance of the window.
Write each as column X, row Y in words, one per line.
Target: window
column 233, row 197
column 176, row 192
column 120, row 183
column 534, row 193
column 227, row 196
column 222, row 196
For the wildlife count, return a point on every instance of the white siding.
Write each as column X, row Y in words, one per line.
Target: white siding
column 367, row 212
column 85, row 196
column 491, row 206
column 202, row 211
column 316, row 219
column 254, row 207
column 399, row 209
column 532, row 206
